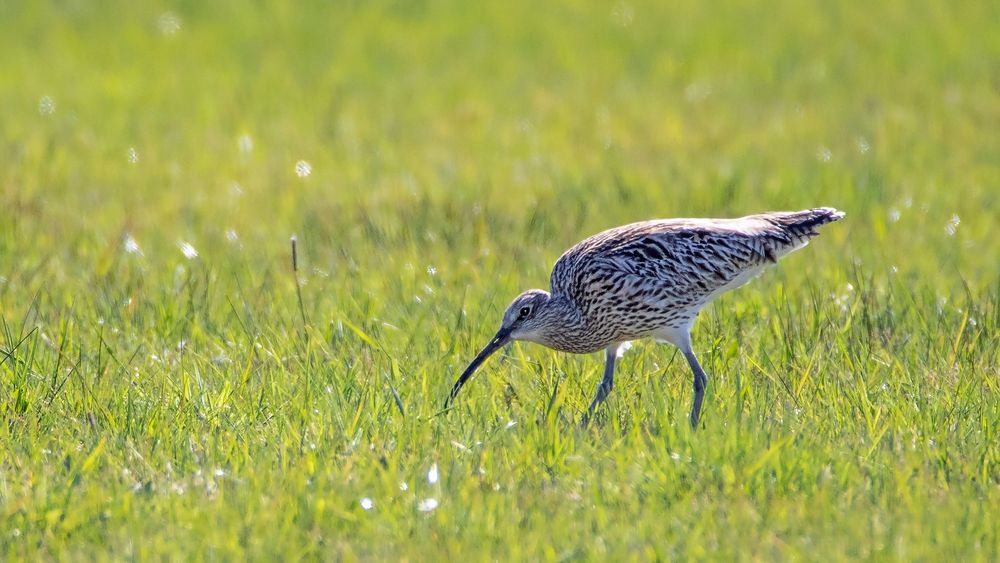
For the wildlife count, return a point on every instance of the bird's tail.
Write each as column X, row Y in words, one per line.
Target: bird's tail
column 789, row 231
column 801, row 224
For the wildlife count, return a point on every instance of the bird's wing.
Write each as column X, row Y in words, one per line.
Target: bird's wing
column 681, row 261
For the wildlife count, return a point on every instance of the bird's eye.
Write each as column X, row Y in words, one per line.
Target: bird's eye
column 525, row 311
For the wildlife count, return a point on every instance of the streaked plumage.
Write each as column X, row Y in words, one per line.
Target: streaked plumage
column 649, row 279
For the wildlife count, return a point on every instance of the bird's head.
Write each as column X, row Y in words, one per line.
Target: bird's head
column 524, row 319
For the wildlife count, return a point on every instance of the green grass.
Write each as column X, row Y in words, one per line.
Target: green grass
column 156, row 406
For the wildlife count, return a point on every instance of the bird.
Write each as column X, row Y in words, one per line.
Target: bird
column 647, row 280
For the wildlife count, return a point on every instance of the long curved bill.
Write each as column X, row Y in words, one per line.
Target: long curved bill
column 502, row 337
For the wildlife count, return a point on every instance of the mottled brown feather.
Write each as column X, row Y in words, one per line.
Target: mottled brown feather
column 631, row 281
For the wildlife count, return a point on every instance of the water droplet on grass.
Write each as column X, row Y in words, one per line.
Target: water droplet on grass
column 367, row 503
column 427, row 505
column 46, row 105
column 189, row 251
column 168, row 23
column 303, row 169
column 863, row 145
column 952, row 225
column 245, row 143
column 824, row 154
column 132, row 155
column 403, row 486
column 894, row 215
column 131, row 246
column 432, row 475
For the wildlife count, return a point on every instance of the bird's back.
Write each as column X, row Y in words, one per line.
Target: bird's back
column 645, row 274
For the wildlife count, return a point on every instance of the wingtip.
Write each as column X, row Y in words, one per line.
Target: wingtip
column 833, row 213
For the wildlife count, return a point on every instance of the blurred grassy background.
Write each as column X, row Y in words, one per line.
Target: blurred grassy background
column 160, row 405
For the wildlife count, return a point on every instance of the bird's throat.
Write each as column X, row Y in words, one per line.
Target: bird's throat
column 566, row 329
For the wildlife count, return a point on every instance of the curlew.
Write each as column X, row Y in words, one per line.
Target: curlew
column 647, row 279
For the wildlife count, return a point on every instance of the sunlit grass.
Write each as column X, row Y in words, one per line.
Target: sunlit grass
column 164, row 394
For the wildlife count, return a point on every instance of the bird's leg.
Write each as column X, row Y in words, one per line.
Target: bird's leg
column 607, row 382
column 700, row 381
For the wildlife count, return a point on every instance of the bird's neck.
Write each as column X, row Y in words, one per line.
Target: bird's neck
column 569, row 330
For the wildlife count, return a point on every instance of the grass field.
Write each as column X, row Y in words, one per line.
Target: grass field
column 165, row 394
